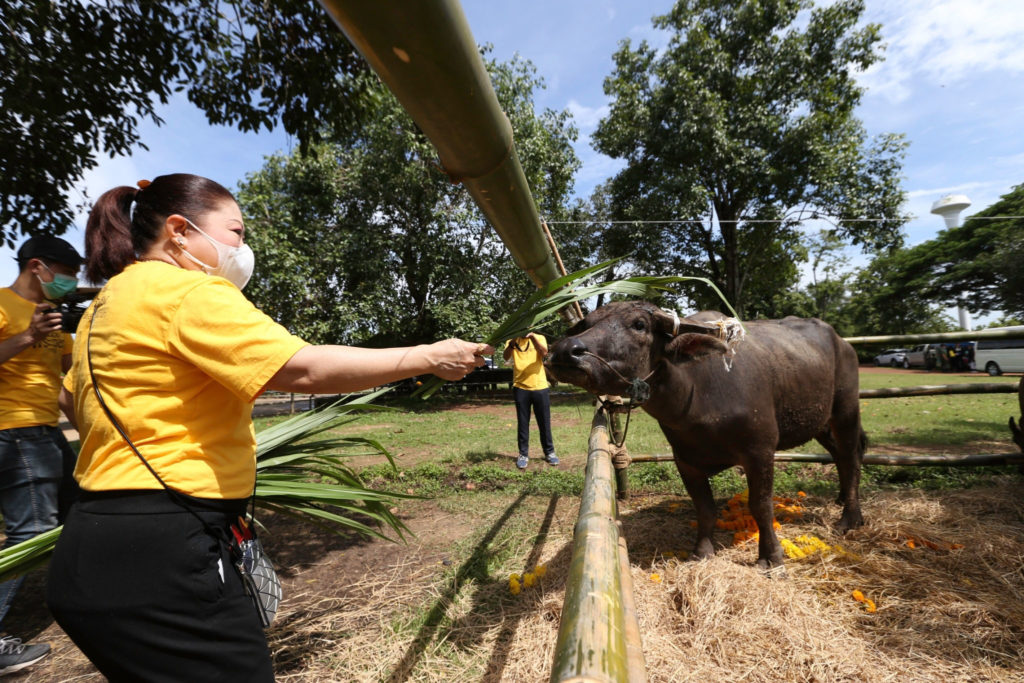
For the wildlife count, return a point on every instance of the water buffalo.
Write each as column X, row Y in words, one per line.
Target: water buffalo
column 790, row 381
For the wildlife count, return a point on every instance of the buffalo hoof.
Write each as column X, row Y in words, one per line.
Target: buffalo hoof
column 849, row 521
column 702, row 551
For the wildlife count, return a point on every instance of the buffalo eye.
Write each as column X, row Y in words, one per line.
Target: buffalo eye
column 639, row 325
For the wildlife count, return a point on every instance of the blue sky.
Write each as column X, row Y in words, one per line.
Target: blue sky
column 951, row 82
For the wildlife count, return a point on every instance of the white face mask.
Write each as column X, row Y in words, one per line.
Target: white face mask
column 234, row 264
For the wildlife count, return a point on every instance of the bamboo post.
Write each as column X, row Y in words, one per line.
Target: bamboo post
column 972, row 460
column 621, row 476
column 941, row 389
column 593, row 636
column 976, row 335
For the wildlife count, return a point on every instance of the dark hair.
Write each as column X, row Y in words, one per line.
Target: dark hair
column 115, row 233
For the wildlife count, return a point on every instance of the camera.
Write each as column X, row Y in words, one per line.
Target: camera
column 70, row 315
column 72, row 307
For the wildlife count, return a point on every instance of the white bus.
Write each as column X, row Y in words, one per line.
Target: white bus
column 996, row 356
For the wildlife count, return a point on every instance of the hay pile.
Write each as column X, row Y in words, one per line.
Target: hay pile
column 943, row 613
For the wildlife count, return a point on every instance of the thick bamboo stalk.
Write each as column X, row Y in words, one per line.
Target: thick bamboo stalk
column 592, row 634
column 1009, row 333
column 636, row 665
column 941, row 389
column 972, row 460
column 425, row 53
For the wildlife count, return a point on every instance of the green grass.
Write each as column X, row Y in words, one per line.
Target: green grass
column 465, row 445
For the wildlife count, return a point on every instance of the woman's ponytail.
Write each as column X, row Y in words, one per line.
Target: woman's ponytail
column 126, row 221
column 108, row 234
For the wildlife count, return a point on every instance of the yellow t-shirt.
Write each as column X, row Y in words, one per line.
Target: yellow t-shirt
column 179, row 357
column 528, row 364
column 29, row 381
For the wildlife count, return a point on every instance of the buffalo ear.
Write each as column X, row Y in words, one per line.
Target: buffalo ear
column 691, row 346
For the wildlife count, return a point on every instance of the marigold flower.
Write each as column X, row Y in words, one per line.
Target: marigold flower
column 656, row 578
column 540, row 570
column 514, row 577
column 513, row 587
column 869, row 605
column 528, row 579
column 858, row 596
column 801, row 494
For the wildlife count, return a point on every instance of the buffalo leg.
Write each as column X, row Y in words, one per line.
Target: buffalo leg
column 845, row 442
column 760, row 481
column 699, row 488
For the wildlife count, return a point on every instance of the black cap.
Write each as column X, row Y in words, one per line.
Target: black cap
column 49, row 248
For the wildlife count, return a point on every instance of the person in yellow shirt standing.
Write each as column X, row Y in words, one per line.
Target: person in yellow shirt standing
column 530, row 390
column 142, row 578
column 35, row 458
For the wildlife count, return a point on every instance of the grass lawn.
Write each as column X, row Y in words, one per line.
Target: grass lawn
column 468, row 442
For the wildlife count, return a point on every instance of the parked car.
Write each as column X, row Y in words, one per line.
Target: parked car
column 893, row 357
column 922, row 356
column 996, row 356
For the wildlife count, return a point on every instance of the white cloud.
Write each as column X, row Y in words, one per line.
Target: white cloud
column 586, row 117
column 943, row 42
column 937, row 192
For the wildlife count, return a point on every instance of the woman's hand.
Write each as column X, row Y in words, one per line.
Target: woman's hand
column 453, row 359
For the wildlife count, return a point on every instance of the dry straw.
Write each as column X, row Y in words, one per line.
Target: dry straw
column 946, row 614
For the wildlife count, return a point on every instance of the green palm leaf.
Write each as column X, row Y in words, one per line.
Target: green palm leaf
column 300, row 472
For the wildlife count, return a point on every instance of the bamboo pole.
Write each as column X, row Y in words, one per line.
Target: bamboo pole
column 561, row 266
column 636, row 666
column 1008, row 333
column 973, row 460
column 621, row 477
column 941, row 389
column 425, row 53
column 592, row 643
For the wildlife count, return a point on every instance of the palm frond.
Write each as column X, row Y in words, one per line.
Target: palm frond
column 540, row 308
column 297, row 474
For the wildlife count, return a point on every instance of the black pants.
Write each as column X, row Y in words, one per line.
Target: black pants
column 148, row 593
column 540, row 400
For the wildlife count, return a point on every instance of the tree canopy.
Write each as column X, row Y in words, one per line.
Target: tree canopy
column 367, row 241
column 76, row 79
column 977, row 263
column 745, row 122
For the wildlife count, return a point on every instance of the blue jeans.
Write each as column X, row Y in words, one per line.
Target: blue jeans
column 540, row 401
column 35, row 489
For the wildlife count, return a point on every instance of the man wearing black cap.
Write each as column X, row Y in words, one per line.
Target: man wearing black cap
column 35, row 459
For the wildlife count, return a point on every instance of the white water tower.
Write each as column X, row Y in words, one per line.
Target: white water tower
column 950, row 207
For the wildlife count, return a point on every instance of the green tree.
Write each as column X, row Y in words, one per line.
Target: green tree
column 746, row 121
column 883, row 301
column 367, row 241
column 977, row 263
column 76, row 79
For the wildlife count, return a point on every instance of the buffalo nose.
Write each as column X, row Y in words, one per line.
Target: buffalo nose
column 575, row 347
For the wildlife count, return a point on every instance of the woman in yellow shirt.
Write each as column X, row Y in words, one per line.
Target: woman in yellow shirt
column 143, row 584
